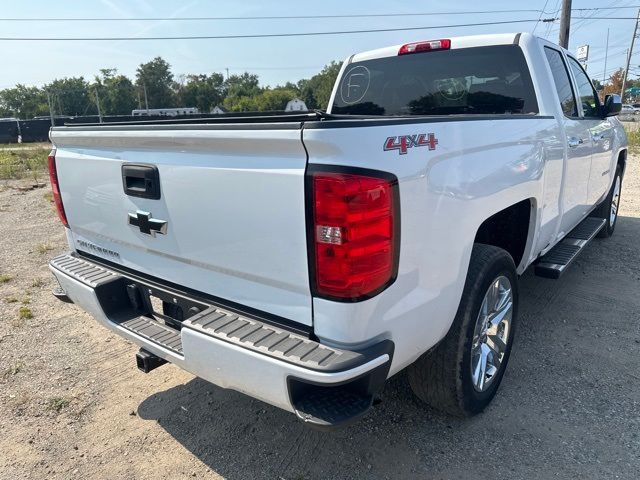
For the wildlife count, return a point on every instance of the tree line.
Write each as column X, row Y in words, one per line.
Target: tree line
column 156, row 87
column 614, row 85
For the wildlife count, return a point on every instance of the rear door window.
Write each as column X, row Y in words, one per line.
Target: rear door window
column 478, row 80
column 562, row 82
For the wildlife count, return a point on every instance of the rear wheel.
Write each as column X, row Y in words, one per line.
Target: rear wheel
column 608, row 209
column 463, row 372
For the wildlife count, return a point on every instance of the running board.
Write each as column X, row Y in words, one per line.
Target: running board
column 554, row 263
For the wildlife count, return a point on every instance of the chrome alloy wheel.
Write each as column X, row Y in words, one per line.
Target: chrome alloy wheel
column 491, row 334
column 615, row 200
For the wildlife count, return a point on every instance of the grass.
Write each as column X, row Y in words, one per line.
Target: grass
column 23, row 163
column 11, row 300
column 44, row 247
column 38, row 283
column 25, row 313
column 56, row 404
column 48, row 196
column 4, row 278
column 26, row 146
column 634, row 139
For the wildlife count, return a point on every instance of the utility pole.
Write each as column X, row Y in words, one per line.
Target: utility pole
column 53, row 123
column 565, row 23
column 629, row 53
column 98, row 103
column 146, row 102
column 227, row 73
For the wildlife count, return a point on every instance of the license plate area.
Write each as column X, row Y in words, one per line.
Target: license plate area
column 163, row 305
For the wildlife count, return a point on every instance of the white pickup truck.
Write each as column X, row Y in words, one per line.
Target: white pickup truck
column 304, row 259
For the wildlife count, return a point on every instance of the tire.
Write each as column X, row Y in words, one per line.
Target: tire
column 443, row 377
column 604, row 210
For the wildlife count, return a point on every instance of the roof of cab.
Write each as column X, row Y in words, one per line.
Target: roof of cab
column 456, row 42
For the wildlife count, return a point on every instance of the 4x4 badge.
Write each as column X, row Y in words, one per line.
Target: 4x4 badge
column 403, row 143
column 146, row 224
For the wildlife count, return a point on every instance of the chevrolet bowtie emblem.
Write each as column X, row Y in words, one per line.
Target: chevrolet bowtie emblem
column 146, row 224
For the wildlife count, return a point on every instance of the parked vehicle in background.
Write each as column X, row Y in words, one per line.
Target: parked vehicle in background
column 629, row 109
column 305, row 258
column 165, row 112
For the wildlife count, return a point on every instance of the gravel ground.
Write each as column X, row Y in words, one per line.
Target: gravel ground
column 73, row 405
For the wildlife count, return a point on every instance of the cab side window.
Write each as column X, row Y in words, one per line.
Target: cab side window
column 586, row 92
column 562, row 82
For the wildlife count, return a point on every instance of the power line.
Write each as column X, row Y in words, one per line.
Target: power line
column 556, row 11
column 612, row 6
column 292, row 17
column 604, row 18
column 626, row 69
column 540, row 16
column 604, row 8
column 270, row 17
column 267, row 35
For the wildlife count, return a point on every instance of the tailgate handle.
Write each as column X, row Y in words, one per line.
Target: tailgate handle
column 141, row 180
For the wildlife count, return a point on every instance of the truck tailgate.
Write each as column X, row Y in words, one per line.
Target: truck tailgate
column 232, row 197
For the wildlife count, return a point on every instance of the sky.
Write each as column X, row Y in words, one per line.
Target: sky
column 275, row 60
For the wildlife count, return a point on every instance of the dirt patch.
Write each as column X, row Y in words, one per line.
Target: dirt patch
column 72, row 404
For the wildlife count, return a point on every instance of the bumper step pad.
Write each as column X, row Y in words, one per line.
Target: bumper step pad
column 86, row 272
column 156, row 332
column 272, row 341
column 556, row 261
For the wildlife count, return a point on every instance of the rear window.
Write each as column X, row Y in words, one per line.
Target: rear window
column 479, row 80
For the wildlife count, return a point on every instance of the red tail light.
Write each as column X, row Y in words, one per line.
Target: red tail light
column 55, row 188
column 355, row 233
column 427, row 46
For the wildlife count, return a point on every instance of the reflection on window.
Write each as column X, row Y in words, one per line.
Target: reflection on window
column 562, row 82
column 588, row 96
column 480, row 80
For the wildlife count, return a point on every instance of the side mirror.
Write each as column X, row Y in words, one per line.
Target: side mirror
column 612, row 105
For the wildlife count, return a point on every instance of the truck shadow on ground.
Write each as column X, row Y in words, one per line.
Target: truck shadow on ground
column 544, row 409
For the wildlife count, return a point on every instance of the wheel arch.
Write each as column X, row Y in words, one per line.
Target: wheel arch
column 511, row 229
column 622, row 159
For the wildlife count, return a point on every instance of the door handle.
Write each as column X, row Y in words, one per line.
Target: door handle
column 574, row 142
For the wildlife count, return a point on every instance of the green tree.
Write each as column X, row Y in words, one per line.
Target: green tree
column 241, row 91
column 156, row 77
column 316, row 91
column 23, row 102
column 116, row 92
column 202, row 91
column 274, row 99
column 241, row 104
column 70, row 96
